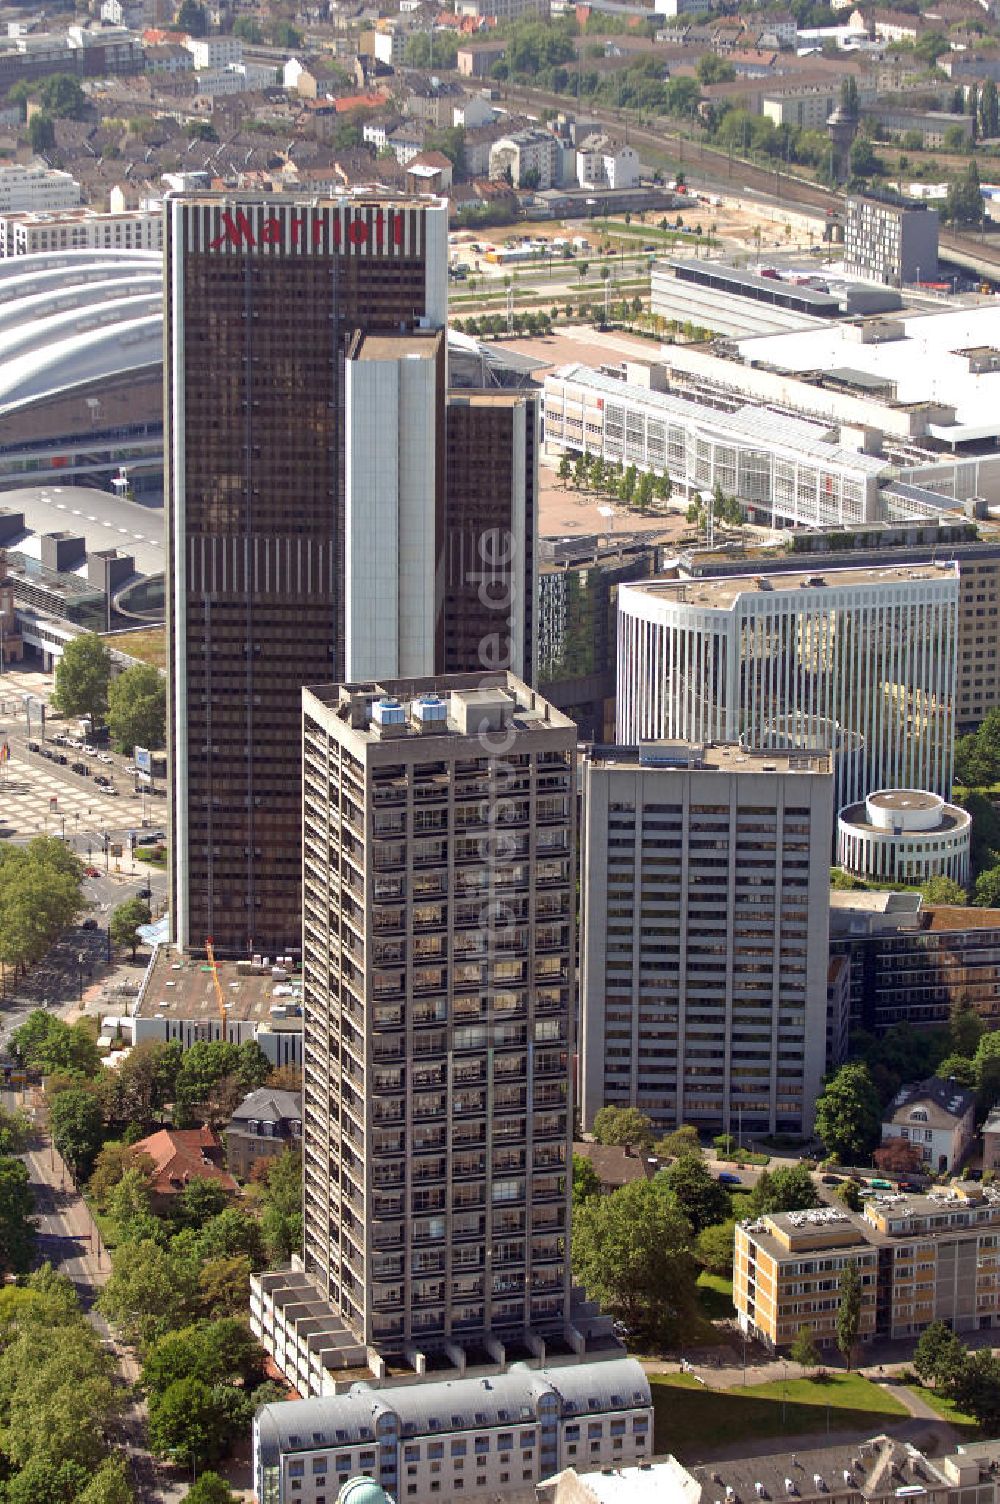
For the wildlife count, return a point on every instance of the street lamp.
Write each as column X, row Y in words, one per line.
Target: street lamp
column 79, row 964
column 3, row 620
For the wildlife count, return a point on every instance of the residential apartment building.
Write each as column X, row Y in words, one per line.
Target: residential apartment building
column 470, row 1438
column 920, row 1258
column 913, row 964
column 214, row 51
column 603, row 163
column 531, row 158
column 786, row 471
column 26, row 233
column 436, row 1115
column 817, row 659
column 705, row 960
column 888, row 242
column 36, row 188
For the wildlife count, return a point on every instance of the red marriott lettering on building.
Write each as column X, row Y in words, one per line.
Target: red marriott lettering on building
column 363, row 230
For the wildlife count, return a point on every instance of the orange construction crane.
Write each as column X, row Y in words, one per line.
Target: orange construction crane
column 214, row 967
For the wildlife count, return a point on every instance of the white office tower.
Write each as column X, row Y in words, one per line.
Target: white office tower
column 870, row 652
column 705, row 892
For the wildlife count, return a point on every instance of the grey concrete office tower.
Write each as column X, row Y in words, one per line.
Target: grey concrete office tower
column 705, row 891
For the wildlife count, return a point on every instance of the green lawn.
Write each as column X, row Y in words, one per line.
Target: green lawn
column 690, row 1418
column 715, row 1296
column 948, row 1410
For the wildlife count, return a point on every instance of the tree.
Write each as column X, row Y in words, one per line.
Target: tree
column 714, row 1247
column 18, row 1232
column 41, row 132
column 938, row 1355
column 137, row 708
column 682, row 1140
column 959, row 1067
column 215, row 1352
column 586, row 1181
column 804, row 1350
column 975, row 1388
column 283, row 34
column 83, row 674
column 61, row 96
column 77, row 1125
column 125, row 920
column 51, row 1045
column 965, row 1028
column 989, row 109
column 899, row 1156
column 39, row 897
column 964, row 202
column 188, row 1423
column 109, row 1485
column 248, row 30
column 200, row 1200
column 849, row 1311
column 696, row 1192
column 223, row 1285
column 150, row 1290
column 112, row 1164
column 785, row 1190
column 712, row 69
column 192, row 18
column 59, row 1395
column 849, row 97
column 848, row 1114
column 623, row 1125
column 987, row 889
column 631, row 1252
column 210, row 1489
column 942, row 890
column 848, row 1193
column 865, row 163
column 281, row 1205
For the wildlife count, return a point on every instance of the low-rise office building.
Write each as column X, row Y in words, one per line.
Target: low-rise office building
column 911, row 963
column 920, row 1259
column 476, row 1437
column 25, row 234
column 905, row 836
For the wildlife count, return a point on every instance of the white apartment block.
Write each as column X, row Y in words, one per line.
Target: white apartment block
column 23, row 234
column 525, row 154
column 786, row 471
column 815, row 660
column 469, row 1438
column 36, row 187
column 705, row 892
column 603, row 163
column 214, row 52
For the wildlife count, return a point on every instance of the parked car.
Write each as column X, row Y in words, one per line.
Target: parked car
column 91, row 872
column 145, row 892
column 102, row 780
column 89, row 924
column 34, row 747
column 61, row 758
column 830, row 1180
column 103, row 757
column 58, row 740
column 81, row 768
column 726, row 1177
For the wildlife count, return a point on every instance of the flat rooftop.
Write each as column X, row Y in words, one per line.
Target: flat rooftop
column 404, row 711
column 725, row 757
column 397, row 346
column 181, row 987
column 929, row 364
column 721, row 592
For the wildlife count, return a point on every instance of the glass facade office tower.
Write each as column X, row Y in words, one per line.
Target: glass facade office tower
column 262, row 299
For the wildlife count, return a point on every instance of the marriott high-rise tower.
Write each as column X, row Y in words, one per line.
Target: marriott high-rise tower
column 291, row 530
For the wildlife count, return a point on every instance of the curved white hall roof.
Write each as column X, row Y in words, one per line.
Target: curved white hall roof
column 71, row 318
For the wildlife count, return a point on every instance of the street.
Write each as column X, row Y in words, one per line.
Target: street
column 69, row 1240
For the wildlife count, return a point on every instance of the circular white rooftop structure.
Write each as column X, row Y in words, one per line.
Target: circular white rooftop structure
column 905, row 836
